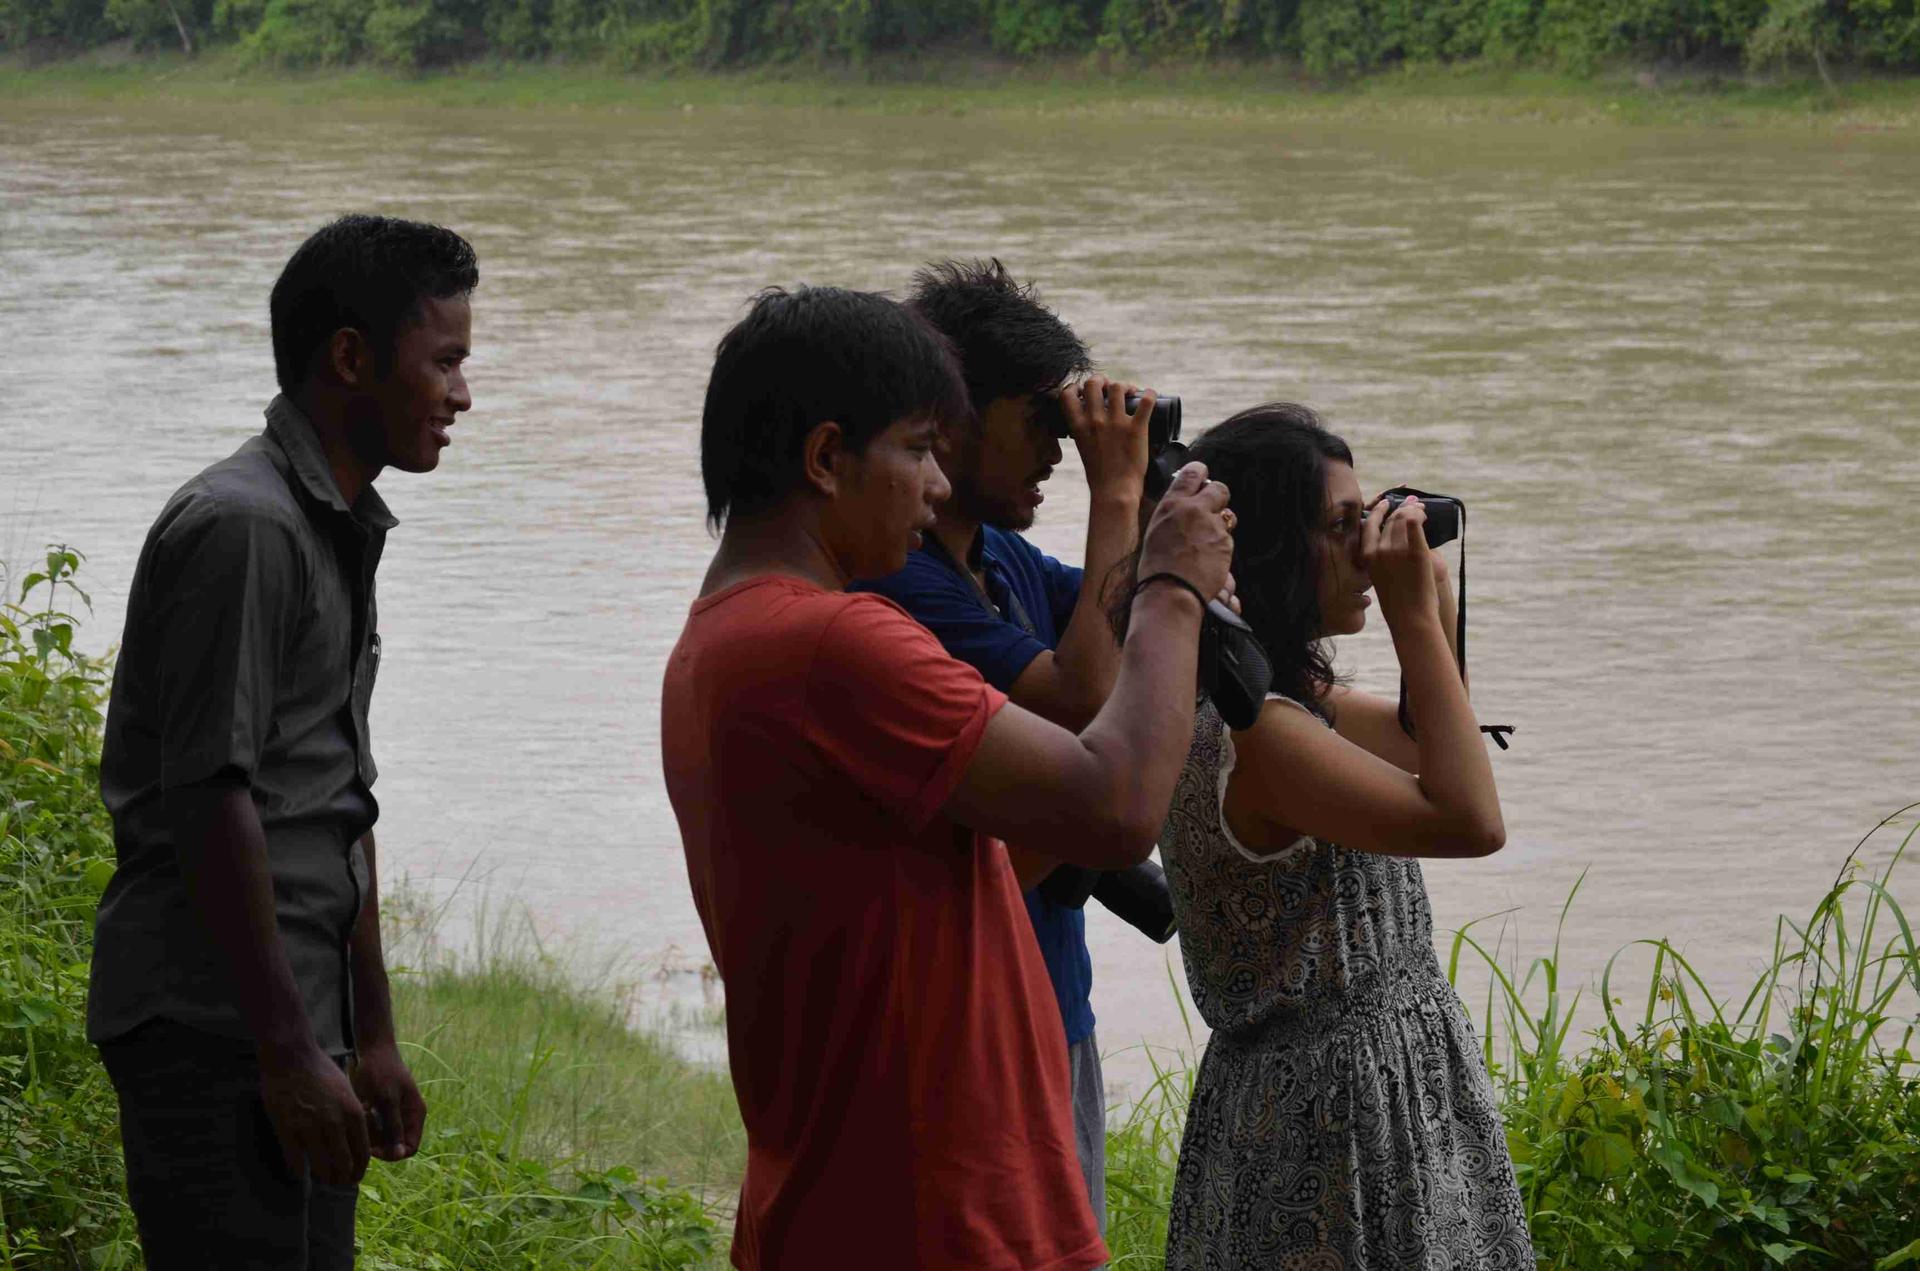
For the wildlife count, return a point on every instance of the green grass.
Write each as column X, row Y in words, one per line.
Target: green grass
column 958, row 86
column 557, row 1134
column 1143, row 1147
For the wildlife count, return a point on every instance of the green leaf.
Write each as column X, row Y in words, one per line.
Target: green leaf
column 1902, row 1257
column 98, row 874
column 1683, row 1172
column 1778, row 1252
column 31, row 1012
column 1605, row 1155
column 1724, row 1111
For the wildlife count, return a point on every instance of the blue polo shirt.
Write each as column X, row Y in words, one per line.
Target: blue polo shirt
column 1034, row 595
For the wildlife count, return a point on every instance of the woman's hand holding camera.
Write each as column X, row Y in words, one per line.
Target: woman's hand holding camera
column 1394, row 552
column 1191, row 534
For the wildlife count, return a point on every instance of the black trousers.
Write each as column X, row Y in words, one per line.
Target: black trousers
column 209, row 1186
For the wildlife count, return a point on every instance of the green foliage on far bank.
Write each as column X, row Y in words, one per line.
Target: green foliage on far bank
column 553, row 1129
column 1328, row 37
column 1231, row 94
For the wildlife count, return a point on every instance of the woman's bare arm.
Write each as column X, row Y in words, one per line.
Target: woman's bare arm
column 1295, row 776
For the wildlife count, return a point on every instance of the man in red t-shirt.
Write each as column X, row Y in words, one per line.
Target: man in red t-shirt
column 842, row 787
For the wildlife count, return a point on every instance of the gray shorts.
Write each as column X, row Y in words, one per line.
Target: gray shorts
column 1090, row 1121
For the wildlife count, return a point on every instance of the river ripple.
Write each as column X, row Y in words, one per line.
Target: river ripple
column 1674, row 374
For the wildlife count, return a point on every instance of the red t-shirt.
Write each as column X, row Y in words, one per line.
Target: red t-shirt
column 893, row 1035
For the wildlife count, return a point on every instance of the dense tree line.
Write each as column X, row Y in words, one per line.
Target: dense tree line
column 1326, row 36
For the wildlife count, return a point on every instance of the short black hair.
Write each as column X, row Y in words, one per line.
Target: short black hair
column 365, row 272
column 1010, row 344
column 803, row 357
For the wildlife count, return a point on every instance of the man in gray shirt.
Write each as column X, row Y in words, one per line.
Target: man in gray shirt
column 239, row 992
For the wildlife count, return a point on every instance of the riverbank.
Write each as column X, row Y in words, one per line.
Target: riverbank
column 1689, row 1130
column 1464, row 95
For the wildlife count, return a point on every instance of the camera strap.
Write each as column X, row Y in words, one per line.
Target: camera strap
column 1499, row 732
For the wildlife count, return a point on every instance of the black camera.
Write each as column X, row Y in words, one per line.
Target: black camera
column 1446, row 521
column 1443, row 512
column 1235, row 673
column 1138, row 896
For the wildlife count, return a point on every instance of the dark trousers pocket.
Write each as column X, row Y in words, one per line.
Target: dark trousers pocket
column 209, row 1186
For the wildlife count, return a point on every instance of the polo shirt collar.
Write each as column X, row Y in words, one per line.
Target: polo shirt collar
column 293, row 432
column 980, row 552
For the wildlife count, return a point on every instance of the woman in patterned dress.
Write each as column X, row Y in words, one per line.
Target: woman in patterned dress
column 1343, row 1117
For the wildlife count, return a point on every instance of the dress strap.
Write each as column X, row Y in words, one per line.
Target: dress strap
column 1228, row 758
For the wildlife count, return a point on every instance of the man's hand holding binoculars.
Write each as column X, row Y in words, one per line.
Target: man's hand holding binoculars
column 1112, row 440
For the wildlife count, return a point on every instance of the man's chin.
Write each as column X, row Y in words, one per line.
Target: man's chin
column 417, row 463
column 1011, row 518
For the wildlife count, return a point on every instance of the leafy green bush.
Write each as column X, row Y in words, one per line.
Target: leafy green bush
column 309, row 32
column 539, row 1093
column 1024, row 28
column 60, row 1174
column 1696, row 1135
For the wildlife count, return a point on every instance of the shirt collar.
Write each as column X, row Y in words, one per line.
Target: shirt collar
column 293, row 432
column 979, row 559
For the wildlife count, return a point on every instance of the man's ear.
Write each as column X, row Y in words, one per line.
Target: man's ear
column 821, row 456
column 350, row 358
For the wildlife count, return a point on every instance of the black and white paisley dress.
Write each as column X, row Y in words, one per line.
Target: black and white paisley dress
column 1343, row 1118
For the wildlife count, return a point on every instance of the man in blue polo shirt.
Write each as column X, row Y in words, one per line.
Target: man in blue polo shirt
column 1020, row 617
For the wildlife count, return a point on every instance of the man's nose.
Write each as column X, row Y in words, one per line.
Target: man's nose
column 458, row 395
column 1053, row 452
column 938, row 489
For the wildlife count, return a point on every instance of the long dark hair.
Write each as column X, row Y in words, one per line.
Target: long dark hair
column 1274, row 459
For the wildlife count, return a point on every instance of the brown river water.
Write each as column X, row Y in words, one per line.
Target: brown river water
column 1674, row 374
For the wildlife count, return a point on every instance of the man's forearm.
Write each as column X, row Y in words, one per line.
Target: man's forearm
column 1142, row 734
column 372, row 1001
column 1087, row 654
column 222, row 853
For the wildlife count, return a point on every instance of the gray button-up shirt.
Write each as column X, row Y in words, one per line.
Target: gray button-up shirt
column 250, row 648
